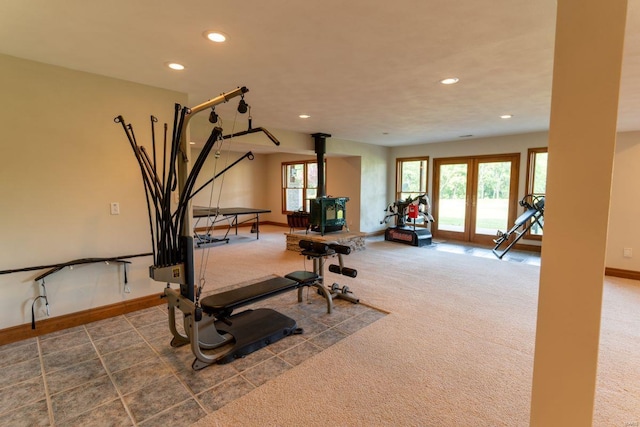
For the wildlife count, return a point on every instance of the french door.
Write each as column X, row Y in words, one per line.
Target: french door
column 474, row 197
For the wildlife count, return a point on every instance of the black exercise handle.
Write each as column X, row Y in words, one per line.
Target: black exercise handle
column 349, row 272
column 335, row 268
column 317, row 247
column 250, row 130
column 340, row 249
column 345, row 271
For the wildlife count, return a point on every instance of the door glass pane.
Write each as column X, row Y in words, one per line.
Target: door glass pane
column 452, row 197
column 492, row 198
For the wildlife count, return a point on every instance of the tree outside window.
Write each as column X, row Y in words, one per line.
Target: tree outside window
column 299, row 185
column 537, row 180
column 411, row 177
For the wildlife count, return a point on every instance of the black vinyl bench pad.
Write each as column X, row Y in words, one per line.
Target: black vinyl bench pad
column 526, row 216
column 304, row 278
column 227, row 301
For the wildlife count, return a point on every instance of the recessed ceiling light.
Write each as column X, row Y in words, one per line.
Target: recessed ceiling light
column 192, row 143
column 175, row 66
column 450, row 81
column 506, row 116
column 215, row 36
column 304, row 116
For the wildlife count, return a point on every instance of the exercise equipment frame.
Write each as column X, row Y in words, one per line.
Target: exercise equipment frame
column 318, row 252
column 409, row 209
column 209, row 324
column 533, row 214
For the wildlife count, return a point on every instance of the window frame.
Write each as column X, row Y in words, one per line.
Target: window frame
column 424, row 176
column 530, row 181
column 425, row 173
column 469, row 232
column 305, row 186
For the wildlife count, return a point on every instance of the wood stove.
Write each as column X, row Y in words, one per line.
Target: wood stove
column 328, row 214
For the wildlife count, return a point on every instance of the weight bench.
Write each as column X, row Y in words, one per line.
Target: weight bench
column 212, row 326
column 222, row 305
column 534, row 214
column 317, row 252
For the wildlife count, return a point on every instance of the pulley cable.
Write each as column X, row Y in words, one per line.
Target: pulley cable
column 205, row 254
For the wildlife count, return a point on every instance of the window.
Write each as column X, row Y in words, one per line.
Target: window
column 299, row 184
column 411, row 177
column 537, row 180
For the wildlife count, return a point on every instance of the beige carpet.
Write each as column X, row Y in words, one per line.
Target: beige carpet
column 455, row 350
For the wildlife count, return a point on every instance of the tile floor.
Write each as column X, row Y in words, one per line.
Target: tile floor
column 123, row 372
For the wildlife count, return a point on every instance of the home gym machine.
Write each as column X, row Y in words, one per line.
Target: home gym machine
column 209, row 324
column 318, row 252
column 533, row 214
column 409, row 209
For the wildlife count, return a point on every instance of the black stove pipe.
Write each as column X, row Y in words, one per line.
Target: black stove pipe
column 320, row 140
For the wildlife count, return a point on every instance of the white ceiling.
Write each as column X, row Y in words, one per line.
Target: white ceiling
column 365, row 71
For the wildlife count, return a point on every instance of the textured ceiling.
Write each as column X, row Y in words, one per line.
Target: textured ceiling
column 365, row 71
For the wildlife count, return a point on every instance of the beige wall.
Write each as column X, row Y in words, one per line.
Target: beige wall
column 242, row 185
column 343, row 180
column 624, row 211
column 64, row 161
column 372, row 179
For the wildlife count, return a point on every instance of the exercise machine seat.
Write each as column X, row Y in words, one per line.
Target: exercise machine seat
column 304, row 278
column 227, row 301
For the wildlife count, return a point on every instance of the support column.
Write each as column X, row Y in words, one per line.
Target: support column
column 582, row 132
